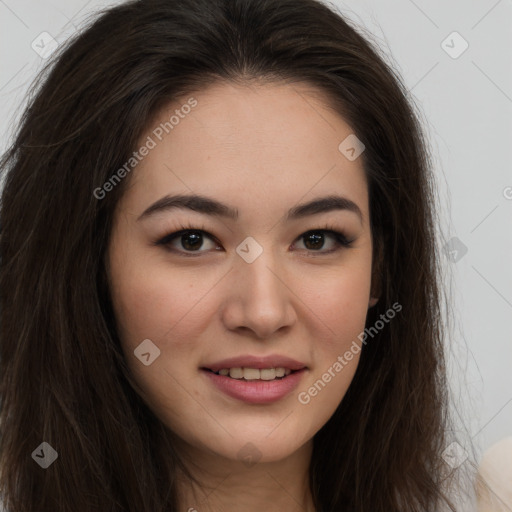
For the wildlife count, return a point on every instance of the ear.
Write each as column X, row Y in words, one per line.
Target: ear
column 377, row 271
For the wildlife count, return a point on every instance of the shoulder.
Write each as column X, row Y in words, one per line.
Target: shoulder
column 494, row 481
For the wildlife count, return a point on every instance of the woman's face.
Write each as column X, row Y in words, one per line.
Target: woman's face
column 250, row 290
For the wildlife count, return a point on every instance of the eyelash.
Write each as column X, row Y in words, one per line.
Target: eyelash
column 183, row 229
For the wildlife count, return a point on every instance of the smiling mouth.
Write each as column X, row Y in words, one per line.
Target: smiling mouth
column 254, row 374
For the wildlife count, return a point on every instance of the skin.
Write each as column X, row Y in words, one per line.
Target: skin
column 262, row 149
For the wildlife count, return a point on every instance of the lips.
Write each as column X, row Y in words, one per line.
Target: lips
column 255, row 391
column 260, row 381
column 258, row 362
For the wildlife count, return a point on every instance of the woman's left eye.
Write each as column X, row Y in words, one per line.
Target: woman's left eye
column 316, row 239
column 191, row 240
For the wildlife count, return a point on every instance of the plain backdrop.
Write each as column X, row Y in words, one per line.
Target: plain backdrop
column 455, row 59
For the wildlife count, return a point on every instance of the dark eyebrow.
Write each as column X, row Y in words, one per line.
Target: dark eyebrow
column 322, row 205
column 197, row 203
column 208, row 206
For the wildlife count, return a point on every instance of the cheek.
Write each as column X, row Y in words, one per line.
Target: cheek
column 341, row 308
column 157, row 302
column 342, row 305
column 165, row 307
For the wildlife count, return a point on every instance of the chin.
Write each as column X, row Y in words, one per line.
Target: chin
column 250, row 452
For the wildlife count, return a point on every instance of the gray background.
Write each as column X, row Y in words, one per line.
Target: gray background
column 466, row 107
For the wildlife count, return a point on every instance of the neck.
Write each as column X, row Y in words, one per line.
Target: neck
column 224, row 484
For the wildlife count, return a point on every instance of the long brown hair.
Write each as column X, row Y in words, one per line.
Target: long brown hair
column 63, row 377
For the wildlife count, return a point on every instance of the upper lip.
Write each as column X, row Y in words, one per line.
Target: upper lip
column 272, row 361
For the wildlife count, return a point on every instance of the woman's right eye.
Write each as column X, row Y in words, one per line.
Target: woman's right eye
column 187, row 241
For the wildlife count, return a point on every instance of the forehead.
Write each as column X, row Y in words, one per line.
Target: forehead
column 274, row 144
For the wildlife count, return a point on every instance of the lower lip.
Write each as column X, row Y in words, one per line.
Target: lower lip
column 256, row 391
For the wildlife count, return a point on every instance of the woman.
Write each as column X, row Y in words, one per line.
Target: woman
column 219, row 277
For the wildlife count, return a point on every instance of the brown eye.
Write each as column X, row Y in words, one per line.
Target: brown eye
column 187, row 241
column 191, row 241
column 315, row 241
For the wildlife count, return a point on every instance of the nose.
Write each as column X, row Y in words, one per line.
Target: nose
column 260, row 301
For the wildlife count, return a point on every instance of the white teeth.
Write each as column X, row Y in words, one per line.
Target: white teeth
column 251, row 373
column 268, row 374
column 236, row 373
column 255, row 373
